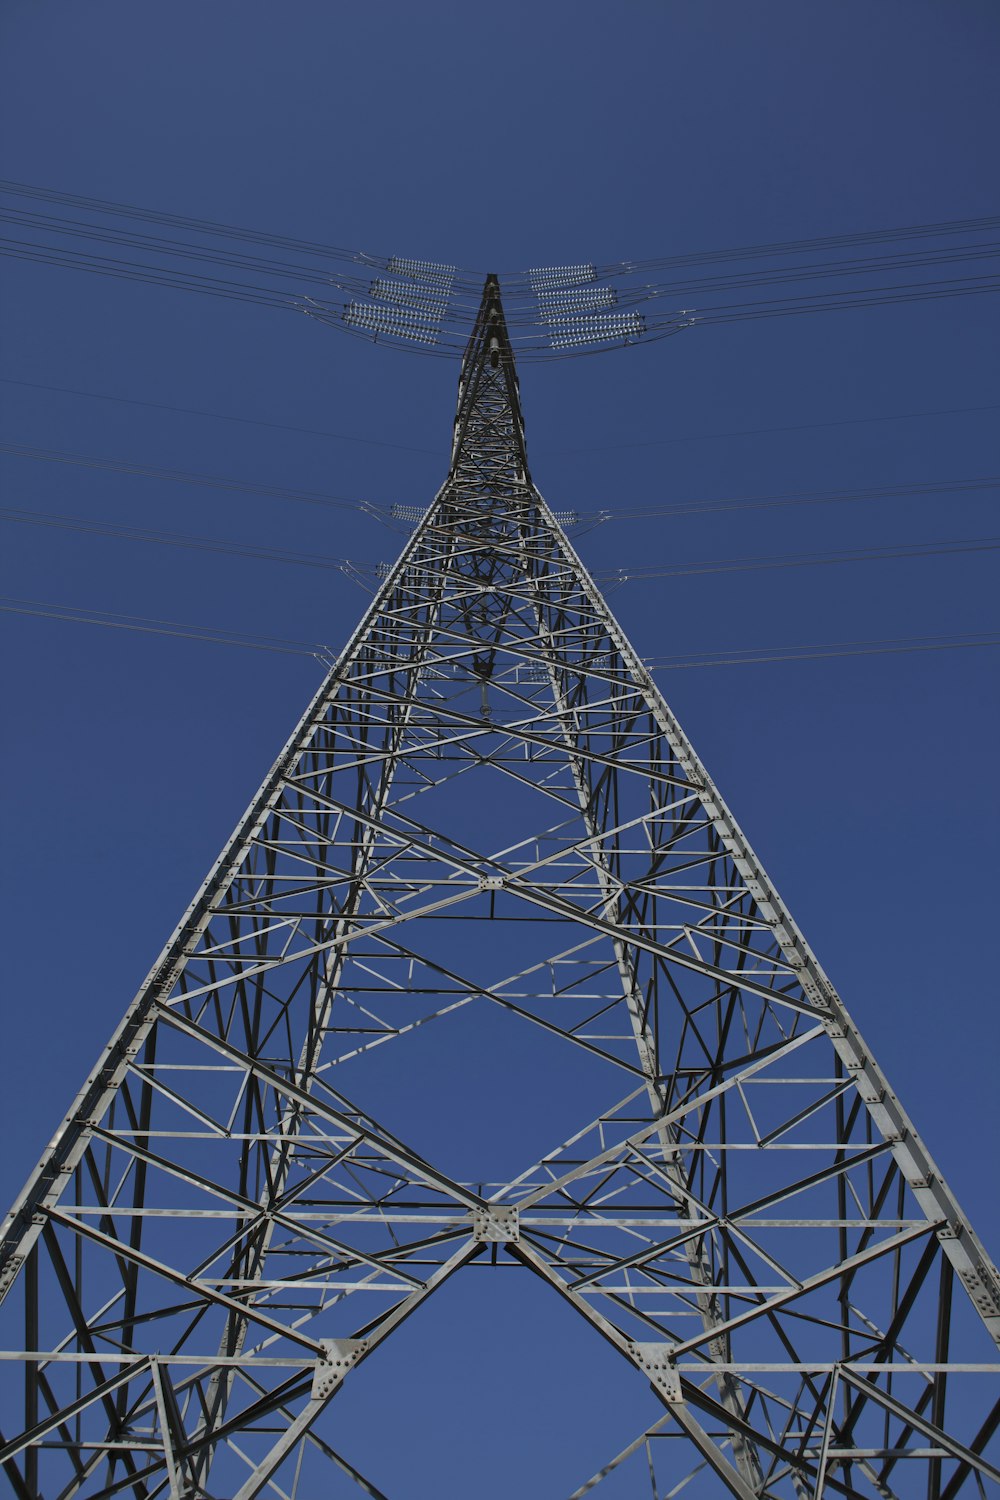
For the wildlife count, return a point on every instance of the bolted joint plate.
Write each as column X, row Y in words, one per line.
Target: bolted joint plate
column 984, row 1290
column 496, row 1225
column 9, row 1274
column 340, row 1356
column 657, row 1362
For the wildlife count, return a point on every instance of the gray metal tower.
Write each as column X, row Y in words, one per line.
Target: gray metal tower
column 489, row 814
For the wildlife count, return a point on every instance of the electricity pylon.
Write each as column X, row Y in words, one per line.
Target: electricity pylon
column 488, row 810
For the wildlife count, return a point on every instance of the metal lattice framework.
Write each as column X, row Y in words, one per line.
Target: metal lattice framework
column 219, row 1236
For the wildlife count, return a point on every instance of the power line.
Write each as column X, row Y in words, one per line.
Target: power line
column 220, row 416
column 790, row 307
column 321, row 276
column 801, row 560
column 358, row 571
column 108, row 235
column 939, row 228
column 214, row 228
column 331, row 314
column 626, row 297
column 748, row 656
column 227, row 546
column 211, row 481
column 151, row 275
column 697, row 437
column 193, row 411
column 737, row 656
column 383, row 513
column 180, row 221
column 147, row 626
column 551, row 331
column 912, row 490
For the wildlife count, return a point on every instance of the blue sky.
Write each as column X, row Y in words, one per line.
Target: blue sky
column 498, row 139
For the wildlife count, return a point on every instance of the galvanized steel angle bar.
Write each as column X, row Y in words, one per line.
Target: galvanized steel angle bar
column 207, row 1437
column 151, row 1080
column 596, row 1125
column 128, row 1254
column 839, row 1168
column 266, row 923
column 588, row 844
column 669, row 1117
column 505, row 767
column 257, row 1214
column 317, row 1105
column 477, row 728
column 401, row 834
column 19, row 1231
column 839, row 1088
column 839, row 1270
column 359, row 927
column 394, row 1033
column 967, row 1255
column 626, row 1453
column 373, row 1336
column 625, row 1346
column 801, row 1466
column 651, row 1250
column 911, row 1418
column 619, row 724
column 572, row 912
column 312, row 1437
column 472, row 990
column 727, row 978
column 98, row 1393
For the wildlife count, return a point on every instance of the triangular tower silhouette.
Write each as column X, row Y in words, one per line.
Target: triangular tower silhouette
column 488, row 849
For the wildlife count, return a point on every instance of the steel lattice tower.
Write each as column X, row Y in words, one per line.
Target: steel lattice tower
column 219, row 1237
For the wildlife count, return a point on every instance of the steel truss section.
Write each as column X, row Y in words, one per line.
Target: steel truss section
column 219, row 1237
